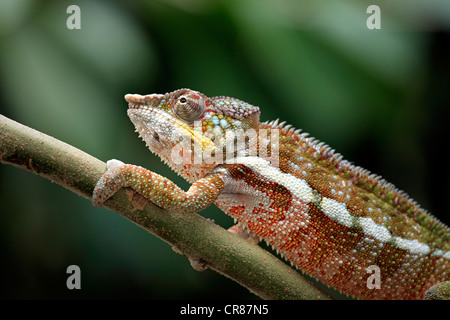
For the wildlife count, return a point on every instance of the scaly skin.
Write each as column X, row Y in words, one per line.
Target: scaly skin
column 327, row 217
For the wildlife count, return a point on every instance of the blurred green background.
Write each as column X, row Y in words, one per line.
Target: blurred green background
column 379, row 97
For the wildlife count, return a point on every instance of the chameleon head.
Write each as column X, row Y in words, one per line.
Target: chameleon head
column 189, row 123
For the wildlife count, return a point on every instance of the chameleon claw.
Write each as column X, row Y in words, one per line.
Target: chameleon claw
column 244, row 234
column 198, row 264
column 113, row 165
column 108, row 184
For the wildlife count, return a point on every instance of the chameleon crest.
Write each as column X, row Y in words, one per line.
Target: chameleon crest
column 332, row 220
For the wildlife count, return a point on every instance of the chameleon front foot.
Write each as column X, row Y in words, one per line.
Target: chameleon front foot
column 156, row 188
column 108, row 184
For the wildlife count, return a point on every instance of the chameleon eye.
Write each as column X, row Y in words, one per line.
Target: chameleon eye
column 189, row 109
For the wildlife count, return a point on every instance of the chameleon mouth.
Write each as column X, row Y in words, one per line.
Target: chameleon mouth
column 149, row 121
column 151, row 124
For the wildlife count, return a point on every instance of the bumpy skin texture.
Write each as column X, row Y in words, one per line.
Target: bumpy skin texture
column 327, row 217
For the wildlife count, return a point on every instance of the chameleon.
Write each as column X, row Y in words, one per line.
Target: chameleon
column 330, row 219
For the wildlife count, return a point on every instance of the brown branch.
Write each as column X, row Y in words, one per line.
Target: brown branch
column 191, row 234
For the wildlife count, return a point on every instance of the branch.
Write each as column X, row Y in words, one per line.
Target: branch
column 191, row 234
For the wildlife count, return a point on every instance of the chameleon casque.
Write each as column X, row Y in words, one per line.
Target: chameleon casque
column 329, row 218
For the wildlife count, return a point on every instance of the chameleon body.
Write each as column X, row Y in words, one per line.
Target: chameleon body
column 329, row 218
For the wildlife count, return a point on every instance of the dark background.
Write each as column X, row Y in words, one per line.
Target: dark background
column 379, row 97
